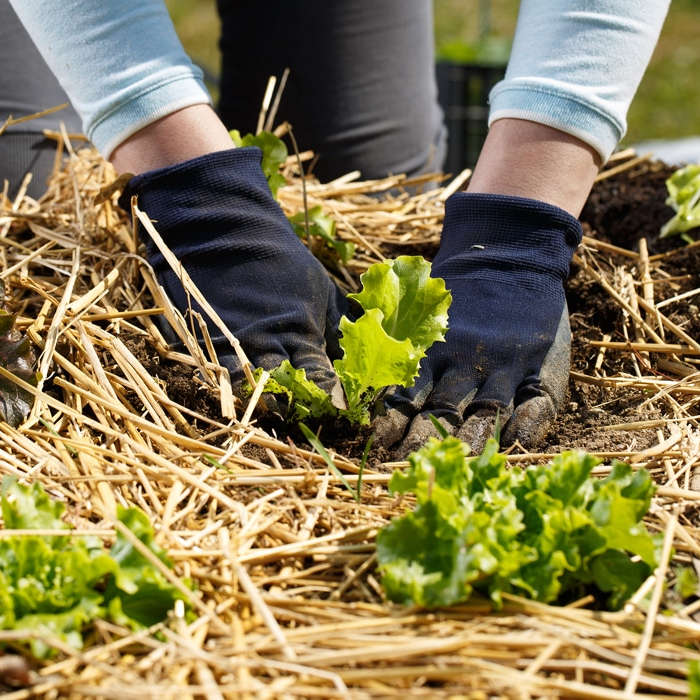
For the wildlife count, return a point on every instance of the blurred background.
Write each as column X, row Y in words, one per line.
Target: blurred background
column 478, row 33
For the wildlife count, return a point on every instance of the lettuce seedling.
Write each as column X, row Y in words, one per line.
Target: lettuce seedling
column 274, row 154
column 322, row 227
column 311, row 224
column 684, row 197
column 539, row 532
column 405, row 312
column 56, row 586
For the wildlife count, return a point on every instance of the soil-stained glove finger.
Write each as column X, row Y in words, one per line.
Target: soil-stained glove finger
column 539, row 404
column 531, row 422
column 401, row 405
column 421, row 430
column 320, row 371
column 390, row 428
column 483, row 424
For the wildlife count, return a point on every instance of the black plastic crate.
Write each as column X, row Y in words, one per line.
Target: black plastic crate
column 463, row 91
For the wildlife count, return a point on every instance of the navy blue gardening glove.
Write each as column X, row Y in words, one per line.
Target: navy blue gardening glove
column 217, row 214
column 507, row 350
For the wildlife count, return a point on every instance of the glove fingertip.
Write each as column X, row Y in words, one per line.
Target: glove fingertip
column 421, row 430
column 531, row 422
column 389, row 428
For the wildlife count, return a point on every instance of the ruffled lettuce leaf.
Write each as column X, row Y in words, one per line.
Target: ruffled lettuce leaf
column 684, row 197
column 413, row 304
column 405, row 312
column 138, row 595
column 372, row 359
column 303, row 398
column 323, row 228
column 57, row 585
column 542, row 532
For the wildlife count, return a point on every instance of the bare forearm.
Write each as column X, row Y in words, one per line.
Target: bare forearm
column 188, row 133
column 527, row 159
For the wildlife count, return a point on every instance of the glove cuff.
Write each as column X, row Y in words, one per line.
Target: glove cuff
column 192, row 202
column 218, row 170
column 504, row 230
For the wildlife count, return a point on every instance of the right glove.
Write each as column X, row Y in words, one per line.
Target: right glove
column 217, row 215
column 506, row 355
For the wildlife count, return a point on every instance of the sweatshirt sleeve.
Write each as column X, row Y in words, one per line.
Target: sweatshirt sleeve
column 121, row 63
column 576, row 64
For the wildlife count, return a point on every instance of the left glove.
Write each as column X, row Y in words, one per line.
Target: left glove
column 217, row 214
column 507, row 349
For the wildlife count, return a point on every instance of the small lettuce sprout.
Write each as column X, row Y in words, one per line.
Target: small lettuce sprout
column 322, row 227
column 405, row 312
column 684, row 197
column 274, row 154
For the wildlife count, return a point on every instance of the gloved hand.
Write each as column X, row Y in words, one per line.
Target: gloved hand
column 507, row 349
column 217, row 214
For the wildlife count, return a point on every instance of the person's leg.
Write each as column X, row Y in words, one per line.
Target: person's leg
column 27, row 86
column 362, row 90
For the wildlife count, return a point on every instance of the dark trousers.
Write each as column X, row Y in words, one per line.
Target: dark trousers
column 361, row 91
column 27, row 86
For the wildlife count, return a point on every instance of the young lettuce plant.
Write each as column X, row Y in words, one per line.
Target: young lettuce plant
column 322, row 228
column 58, row 585
column 405, row 312
column 274, row 153
column 541, row 532
column 684, row 197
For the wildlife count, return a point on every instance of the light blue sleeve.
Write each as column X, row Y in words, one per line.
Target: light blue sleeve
column 120, row 62
column 576, row 64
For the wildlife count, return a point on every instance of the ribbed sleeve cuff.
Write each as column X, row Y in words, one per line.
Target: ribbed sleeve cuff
column 178, row 88
column 559, row 109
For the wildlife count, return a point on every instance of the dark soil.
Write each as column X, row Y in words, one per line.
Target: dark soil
column 180, row 380
column 620, row 210
column 631, row 205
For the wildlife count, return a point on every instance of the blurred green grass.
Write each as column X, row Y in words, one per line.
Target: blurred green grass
column 667, row 104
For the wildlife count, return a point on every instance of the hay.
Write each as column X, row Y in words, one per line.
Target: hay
column 287, row 601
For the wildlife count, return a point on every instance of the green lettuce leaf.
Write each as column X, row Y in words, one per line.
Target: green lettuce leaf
column 323, row 227
column 306, row 398
column 542, row 532
column 144, row 595
column 684, row 197
column 413, row 304
column 372, row 360
column 405, row 312
column 68, row 626
column 57, row 585
column 274, row 154
column 29, row 507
